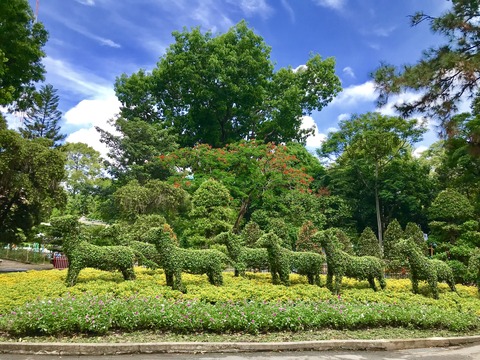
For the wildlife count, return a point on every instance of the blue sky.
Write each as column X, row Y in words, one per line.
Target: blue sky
column 94, row 41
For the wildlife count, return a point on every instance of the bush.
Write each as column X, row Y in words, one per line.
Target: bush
column 460, row 271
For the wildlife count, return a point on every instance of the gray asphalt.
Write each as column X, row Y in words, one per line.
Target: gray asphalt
column 452, row 353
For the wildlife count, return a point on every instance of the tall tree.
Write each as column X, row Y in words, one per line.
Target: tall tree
column 30, row 183
column 445, row 73
column 85, row 179
column 21, row 53
column 221, row 89
column 42, row 117
column 367, row 144
column 134, row 154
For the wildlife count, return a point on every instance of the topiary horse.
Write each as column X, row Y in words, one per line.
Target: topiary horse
column 175, row 260
column 283, row 261
column 474, row 267
column 81, row 254
column 423, row 268
column 340, row 264
column 243, row 257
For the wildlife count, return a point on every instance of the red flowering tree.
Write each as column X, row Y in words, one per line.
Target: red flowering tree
column 251, row 170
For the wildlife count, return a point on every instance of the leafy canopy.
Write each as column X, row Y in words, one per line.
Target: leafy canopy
column 21, row 43
column 221, row 89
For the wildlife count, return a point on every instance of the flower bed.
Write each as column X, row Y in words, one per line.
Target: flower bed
column 38, row 302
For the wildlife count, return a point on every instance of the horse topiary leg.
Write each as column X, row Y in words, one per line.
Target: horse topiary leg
column 128, row 274
column 217, row 278
column 169, row 277
column 177, row 282
column 329, row 283
column 275, row 278
column 338, row 284
column 72, row 274
column 451, row 284
column 371, row 281
column 381, row 279
column 317, row 280
column 285, row 275
column 414, row 284
column 311, row 278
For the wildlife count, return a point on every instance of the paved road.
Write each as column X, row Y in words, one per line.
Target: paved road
column 9, row 265
column 455, row 353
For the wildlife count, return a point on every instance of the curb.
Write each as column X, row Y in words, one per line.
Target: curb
column 228, row 347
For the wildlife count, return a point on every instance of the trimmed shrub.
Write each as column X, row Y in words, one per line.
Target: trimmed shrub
column 175, row 260
column 340, row 264
column 414, row 232
column 392, row 235
column 368, row 245
column 244, row 258
column 423, row 268
column 283, row 261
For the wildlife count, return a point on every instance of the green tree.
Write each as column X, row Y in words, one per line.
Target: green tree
column 211, row 214
column 21, row 53
column 134, row 155
column 393, row 234
column 414, row 232
column 42, row 117
column 31, row 173
column 367, row 244
column 251, row 171
column 445, row 72
column 221, row 89
column 85, row 179
column 460, row 168
column 366, row 144
column 155, row 197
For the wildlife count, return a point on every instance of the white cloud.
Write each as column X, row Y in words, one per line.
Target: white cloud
column 253, row 7
column 332, row 4
column 300, row 68
column 349, row 71
column 419, row 150
column 389, row 107
column 343, row 116
column 355, row 94
column 81, row 30
column 314, row 141
column 289, row 10
column 91, row 113
column 76, row 81
column 95, row 112
column 87, row 2
column 90, row 137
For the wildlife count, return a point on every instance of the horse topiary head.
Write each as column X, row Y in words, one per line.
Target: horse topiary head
column 327, row 238
column 161, row 239
column 406, row 247
column 269, row 240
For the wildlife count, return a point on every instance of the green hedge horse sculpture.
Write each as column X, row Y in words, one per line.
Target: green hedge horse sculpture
column 423, row 268
column 340, row 264
column 175, row 260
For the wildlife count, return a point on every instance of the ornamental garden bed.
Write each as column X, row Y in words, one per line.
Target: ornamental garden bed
column 38, row 303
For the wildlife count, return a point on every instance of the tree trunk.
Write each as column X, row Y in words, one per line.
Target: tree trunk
column 241, row 213
column 377, row 208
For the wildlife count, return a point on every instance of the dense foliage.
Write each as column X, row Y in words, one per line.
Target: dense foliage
column 21, row 53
